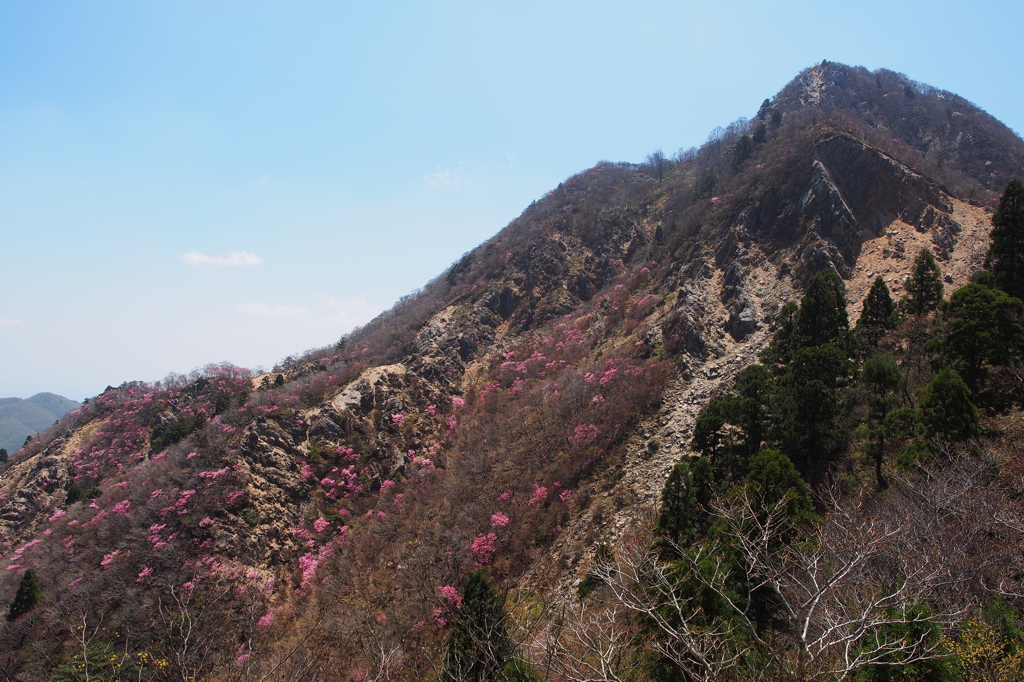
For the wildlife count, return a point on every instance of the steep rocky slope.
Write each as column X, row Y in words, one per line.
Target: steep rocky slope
column 518, row 411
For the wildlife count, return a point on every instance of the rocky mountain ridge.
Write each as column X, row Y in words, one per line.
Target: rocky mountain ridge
column 517, row 412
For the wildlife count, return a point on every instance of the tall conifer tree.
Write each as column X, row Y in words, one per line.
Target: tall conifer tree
column 879, row 311
column 30, row 593
column 479, row 646
column 1005, row 259
column 823, row 317
column 924, row 286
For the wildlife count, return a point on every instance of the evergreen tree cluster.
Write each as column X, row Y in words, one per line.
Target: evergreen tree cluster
column 822, row 388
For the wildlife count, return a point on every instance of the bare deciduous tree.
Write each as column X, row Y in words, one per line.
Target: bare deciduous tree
column 851, row 592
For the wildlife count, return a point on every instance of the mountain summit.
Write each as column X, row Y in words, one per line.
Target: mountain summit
column 436, row 495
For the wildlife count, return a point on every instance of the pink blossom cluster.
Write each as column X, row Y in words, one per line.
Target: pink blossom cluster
column 21, row 550
column 488, row 390
column 584, row 433
column 155, row 538
column 423, row 462
column 102, row 514
column 347, row 454
column 483, row 548
column 181, row 505
column 109, row 558
column 649, row 298
column 214, row 475
column 450, row 595
column 347, row 483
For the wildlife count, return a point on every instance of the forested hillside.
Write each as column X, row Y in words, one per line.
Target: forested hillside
column 748, row 411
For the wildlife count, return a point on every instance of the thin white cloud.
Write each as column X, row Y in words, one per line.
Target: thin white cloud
column 442, row 178
column 234, row 258
column 10, row 322
column 446, row 178
column 511, row 159
column 264, row 310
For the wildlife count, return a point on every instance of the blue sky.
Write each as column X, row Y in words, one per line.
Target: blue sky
column 194, row 182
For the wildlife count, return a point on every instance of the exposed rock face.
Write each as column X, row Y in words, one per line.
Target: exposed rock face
column 34, row 488
column 852, row 194
column 373, row 390
column 742, row 318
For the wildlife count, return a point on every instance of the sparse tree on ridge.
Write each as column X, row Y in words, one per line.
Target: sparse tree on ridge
column 658, row 162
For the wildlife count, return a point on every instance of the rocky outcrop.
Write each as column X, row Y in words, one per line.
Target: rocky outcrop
column 373, row 390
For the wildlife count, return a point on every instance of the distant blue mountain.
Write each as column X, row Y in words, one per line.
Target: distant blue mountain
column 22, row 418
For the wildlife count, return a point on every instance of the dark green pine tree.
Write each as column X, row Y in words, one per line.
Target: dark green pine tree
column 683, row 514
column 784, row 341
column 924, row 286
column 809, row 400
column 741, row 150
column 479, row 647
column 881, row 376
column 823, row 317
column 30, row 593
column 75, row 494
column 1005, row 258
column 677, row 515
column 773, row 480
column 982, row 329
column 879, row 312
column 947, row 411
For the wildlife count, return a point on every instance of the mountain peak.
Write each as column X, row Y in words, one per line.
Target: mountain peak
column 947, row 131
